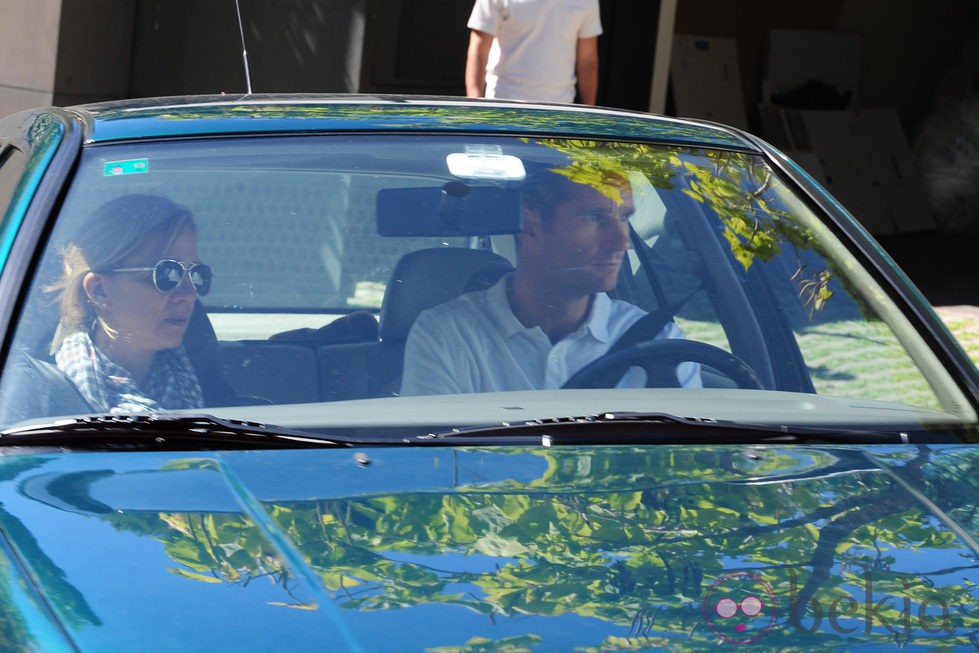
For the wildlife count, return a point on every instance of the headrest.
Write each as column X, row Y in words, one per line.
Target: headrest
column 430, row 277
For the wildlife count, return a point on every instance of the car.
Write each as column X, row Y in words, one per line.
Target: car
column 284, row 420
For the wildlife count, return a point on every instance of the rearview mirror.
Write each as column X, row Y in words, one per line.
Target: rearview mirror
column 455, row 209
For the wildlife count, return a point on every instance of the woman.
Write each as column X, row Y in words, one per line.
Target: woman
column 131, row 279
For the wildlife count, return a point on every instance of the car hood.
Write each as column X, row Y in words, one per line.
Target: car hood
column 466, row 549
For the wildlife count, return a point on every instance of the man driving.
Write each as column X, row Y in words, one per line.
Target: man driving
column 550, row 317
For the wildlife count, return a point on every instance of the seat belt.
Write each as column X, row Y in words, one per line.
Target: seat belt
column 651, row 323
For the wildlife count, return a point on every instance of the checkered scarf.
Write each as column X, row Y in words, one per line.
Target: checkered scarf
column 171, row 382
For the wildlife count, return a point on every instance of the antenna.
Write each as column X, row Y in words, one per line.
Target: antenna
column 244, row 50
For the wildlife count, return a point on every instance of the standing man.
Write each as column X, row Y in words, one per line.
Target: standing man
column 542, row 50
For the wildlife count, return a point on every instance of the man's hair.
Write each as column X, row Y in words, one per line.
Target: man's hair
column 544, row 190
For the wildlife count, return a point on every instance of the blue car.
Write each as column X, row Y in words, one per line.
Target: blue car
column 368, row 374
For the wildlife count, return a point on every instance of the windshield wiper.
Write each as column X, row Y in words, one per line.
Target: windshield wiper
column 178, row 432
column 663, row 428
column 163, row 431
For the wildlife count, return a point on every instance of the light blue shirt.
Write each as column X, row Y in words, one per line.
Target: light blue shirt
column 475, row 343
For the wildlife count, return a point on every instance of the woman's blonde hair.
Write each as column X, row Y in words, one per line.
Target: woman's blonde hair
column 104, row 241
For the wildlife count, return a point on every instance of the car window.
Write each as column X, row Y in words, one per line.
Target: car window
column 355, row 267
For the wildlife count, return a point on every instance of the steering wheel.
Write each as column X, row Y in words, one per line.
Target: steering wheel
column 659, row 358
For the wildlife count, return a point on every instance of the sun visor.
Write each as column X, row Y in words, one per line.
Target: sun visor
column 454, row 209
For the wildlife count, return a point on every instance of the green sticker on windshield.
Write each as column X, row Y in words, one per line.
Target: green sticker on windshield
column 131, row 167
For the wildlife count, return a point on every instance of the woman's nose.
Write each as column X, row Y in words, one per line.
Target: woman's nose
column 185, row 289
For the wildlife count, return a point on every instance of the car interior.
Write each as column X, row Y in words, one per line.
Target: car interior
column 326, row 249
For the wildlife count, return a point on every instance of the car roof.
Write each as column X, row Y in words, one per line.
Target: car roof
column 125, row 120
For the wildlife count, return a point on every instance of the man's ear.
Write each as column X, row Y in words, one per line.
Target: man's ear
column 531, row 223
column 94, row 285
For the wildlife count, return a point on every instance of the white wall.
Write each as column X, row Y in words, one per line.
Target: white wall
column 28, row 53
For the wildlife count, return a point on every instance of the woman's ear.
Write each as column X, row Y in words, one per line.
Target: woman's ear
column 94, row 285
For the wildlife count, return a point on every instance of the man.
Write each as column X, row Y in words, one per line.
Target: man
column 551, row 316
column 534, row 50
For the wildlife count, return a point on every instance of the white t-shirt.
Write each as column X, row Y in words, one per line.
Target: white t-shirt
column 533, row 54
column 475, row 343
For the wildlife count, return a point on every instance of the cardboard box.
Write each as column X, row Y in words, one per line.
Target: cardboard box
column 706, row 81
column 894, row 167
column 798, row 57
column 862, row 158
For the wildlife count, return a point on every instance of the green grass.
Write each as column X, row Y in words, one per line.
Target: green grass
column 856, row 359
column 966, row 331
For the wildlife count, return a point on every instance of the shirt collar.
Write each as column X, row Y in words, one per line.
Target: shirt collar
column 598, row 317
column 506, row 322
column 596, row 322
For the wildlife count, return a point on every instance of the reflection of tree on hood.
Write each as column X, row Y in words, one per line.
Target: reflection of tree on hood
column 601, row 534
column 951, row 473
column 73, row 608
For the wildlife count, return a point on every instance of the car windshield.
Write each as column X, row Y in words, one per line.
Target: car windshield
column 427, row 281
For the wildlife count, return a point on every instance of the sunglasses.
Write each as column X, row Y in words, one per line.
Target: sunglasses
column 168, row 274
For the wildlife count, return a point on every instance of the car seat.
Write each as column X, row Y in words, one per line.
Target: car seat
column 429, row 277
column 420, row 280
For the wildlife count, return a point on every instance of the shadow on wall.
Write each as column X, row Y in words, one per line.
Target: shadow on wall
column 186, row 46
column 947, row 147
